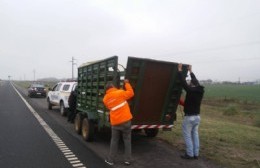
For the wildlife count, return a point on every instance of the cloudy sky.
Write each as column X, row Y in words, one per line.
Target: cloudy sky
column 220, row 38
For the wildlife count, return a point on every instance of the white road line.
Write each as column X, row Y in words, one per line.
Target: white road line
column 76, row 165
column 69, row 155
column 64, row 151
column 62, row 146
column 74, row 158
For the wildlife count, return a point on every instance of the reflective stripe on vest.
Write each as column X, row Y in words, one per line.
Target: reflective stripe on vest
column 118, row 106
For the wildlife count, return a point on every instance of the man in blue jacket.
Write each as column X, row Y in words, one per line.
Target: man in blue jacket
column 190, row 125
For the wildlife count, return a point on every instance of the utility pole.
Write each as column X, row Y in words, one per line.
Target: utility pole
column 72, row 66
column 34, row 75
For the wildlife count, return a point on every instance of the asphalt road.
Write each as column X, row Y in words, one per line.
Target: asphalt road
column 34, row 137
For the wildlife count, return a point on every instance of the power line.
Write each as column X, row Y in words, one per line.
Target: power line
column 211, row 49
column 231, row 60
column 34, row 75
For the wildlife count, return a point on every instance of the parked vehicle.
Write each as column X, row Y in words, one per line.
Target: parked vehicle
column 59, row 95
column 36, row 90
column 157, row 93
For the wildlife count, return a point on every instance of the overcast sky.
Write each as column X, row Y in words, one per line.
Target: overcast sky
column 219, row 38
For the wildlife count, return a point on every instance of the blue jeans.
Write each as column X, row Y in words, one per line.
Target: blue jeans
column 190, row 127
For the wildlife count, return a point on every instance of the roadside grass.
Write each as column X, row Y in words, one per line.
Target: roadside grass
column 229, row 143
column 229, row 140
column 26, row 84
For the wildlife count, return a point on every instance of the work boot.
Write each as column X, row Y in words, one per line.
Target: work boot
column 186, row 156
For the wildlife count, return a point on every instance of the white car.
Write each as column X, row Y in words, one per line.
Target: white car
column 59, row 96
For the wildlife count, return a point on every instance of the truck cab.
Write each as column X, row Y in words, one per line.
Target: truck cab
column 59, row 95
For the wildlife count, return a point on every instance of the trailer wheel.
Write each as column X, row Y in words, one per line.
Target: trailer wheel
column 151, row 132
column 49, row 104
column 87, row 129
column 62, row 109
column 78, row 123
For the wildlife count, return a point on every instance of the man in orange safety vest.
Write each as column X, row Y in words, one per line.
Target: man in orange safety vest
column 120, row 119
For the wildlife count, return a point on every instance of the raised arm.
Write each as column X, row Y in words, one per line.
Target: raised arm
column 182, row 78
column 129, row 92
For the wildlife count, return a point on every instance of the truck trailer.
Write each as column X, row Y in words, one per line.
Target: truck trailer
column 157, row 93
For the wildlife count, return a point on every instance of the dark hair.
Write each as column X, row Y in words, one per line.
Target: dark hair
column 109, row 85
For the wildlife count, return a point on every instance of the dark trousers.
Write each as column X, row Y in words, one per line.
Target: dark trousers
column 125, row 130
column 71, row 114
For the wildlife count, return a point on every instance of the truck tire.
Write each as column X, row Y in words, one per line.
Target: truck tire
column 87, row 130
column 49, row 104
column 62, row 109
column 151, row 132
column 78, row 123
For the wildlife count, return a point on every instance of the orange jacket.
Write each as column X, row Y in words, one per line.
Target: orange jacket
column 115, row 101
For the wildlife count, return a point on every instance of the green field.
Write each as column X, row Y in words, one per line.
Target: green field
column 230, row 126
column 250, row 93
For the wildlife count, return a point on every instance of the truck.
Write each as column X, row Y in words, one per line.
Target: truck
column 59, row 95
column 157, row 93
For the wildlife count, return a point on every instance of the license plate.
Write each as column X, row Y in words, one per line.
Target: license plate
column 38, row 93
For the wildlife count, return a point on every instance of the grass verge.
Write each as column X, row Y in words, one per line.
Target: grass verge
column 231, row 141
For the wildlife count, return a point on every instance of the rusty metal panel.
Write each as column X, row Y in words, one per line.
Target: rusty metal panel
column 157, row 90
